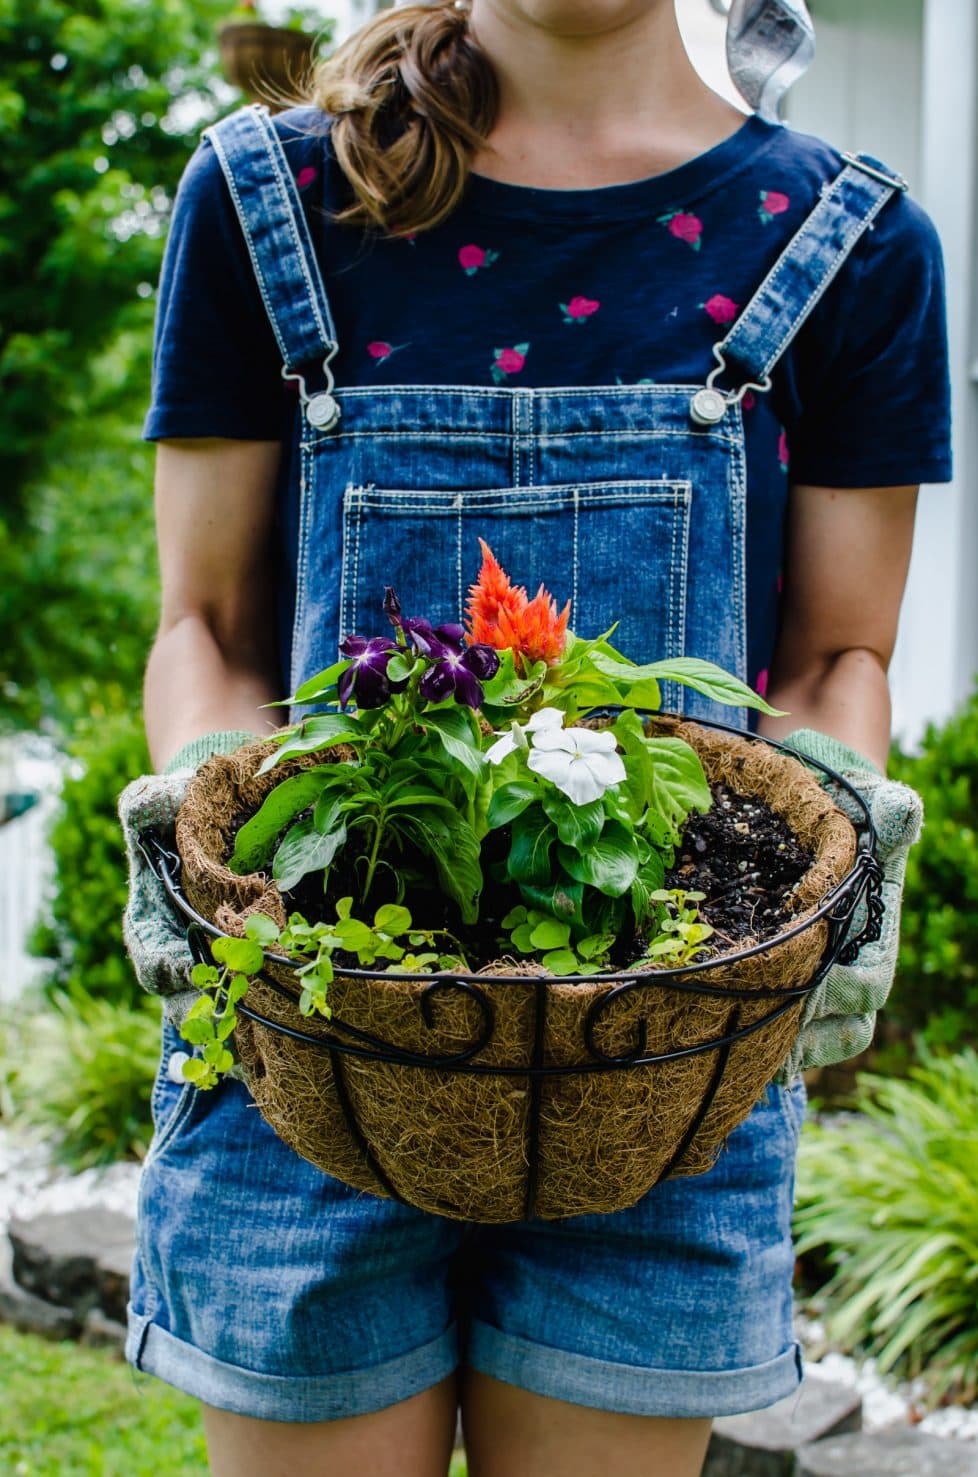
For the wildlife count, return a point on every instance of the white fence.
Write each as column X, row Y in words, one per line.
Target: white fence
column 27, row 764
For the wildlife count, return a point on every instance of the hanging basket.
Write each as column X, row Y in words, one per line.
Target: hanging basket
column 510, row 1092
column 268, row 63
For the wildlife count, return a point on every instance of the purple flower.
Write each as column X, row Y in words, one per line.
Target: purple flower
column 455, row 671
column 392, row 606
column 365, row 679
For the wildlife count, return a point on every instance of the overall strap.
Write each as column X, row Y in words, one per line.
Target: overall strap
column 802, row 274
column 279, row 243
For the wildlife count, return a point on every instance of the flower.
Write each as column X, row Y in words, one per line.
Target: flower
column 305, row 177
column 365, row 679
column 579, row 309
column 380, row 350
column 500, row 615
column 471, row 258
column 582, row 763
column 454, row 671
column 773, row 203
column 508, row 743
column 508, row 361
column 721, row 309
column 685, row 227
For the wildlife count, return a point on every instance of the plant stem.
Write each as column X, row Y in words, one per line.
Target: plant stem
column 374, row 853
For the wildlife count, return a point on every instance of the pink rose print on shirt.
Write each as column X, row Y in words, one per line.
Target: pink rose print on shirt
column 721, row 309
column 508, row 361
column 772, row 203
column 472, row 259
column 784, row 454
column 305, row 177
column 684, row 227
column 749, row 401
column 761, row 681
column 380, row 351
column 579, row 309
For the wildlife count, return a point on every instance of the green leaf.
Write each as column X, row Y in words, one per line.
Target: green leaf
column 595, row 945
column 255, row 841
column 705, row 677
column 321, row 684
column 562, row 899
column 261, row 929
column 577, row 825
column 197, row 1031
column 196, row 1071
column 399, row 668
column 392, row 919
column 529, row 854
column 678, row 782
column 454, row 848
column 610, row 865
column 453, row 726
column 513, row 917
column 561, row 961
column 354, row 935
column 204, row 976
column 550, row 934
column 237, row 989
column 511, row 800
column 243, row 956
column 318, row 732
column 304, row 849
column 202, row 1009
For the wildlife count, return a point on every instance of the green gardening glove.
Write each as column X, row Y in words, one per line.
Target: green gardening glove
column 839, row 1015
column 155, row 939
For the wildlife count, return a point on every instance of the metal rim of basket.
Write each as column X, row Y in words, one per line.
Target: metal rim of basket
column 862, row 885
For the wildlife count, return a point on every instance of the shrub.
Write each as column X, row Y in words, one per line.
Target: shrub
column 936, row 989
column 81, row 1070
column 82, row 932
column 889, row 1197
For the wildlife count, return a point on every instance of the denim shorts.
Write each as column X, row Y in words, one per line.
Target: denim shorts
column 265, row 1287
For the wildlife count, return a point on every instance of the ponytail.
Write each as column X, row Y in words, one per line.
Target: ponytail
column 412, row 99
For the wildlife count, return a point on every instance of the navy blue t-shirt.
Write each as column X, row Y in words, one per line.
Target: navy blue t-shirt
column 624, row 284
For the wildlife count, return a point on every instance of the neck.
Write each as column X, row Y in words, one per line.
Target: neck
column 596, row 107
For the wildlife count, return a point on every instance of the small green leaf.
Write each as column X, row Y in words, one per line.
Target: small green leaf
column 194, row 1070
column 561, row 961
column 550, row 934
column 204, row 976
column 611, row 864
column 453, row 726
column 595, row 944
column 320, row 685
column 261, row 929
column 243, row 956
column 305, row 849
column 399, row 668
column 392, row 919
column 577, row 825
column 202, row 1009
column 237, row 989
column 511, row 800
column 197, row 1031
column 522, row 937
column 513, row 917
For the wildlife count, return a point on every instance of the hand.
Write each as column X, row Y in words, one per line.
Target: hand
column 839, row 1015
column 155, row 939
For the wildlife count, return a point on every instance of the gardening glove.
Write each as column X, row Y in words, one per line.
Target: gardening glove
column 154, row 937
column 839, row 1015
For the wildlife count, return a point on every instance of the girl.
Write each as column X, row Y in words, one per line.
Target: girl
column 479, row 286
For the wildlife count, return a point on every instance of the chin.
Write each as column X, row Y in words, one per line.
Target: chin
column 582, row 17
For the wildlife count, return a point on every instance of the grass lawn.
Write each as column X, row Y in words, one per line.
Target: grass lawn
column 68, row 1411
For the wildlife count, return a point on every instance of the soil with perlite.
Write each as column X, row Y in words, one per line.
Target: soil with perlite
column 741, row 855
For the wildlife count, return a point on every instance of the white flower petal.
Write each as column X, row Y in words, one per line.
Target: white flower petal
column 608, row 769
column 590, row 741
column 550, row 739
column 554, row 765
column 581, row 785
column 501, row 749
column 545, row 718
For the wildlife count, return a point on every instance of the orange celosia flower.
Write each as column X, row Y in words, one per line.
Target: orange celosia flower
column 499, row 614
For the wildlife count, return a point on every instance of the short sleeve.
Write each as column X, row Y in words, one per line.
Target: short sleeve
column 872, row 403
column 216, row 367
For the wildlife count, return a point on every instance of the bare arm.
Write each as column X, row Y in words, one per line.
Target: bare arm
column 846, row 564
column 213, row 662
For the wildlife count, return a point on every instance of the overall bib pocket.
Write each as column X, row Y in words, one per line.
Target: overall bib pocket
column 617, row 550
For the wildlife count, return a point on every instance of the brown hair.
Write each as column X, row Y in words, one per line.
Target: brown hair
column 412, row 98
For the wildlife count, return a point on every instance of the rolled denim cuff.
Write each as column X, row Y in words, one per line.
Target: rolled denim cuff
column 223, row 742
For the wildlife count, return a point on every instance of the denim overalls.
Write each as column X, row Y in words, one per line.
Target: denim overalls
column 629, row 500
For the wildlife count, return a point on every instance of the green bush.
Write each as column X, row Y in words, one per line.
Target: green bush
column 81, row 1070
column 888, row 1197
column 81, row 932
column 936, row 989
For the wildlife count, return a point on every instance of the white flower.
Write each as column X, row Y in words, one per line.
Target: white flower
column 579, row 761
column 546, row 718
